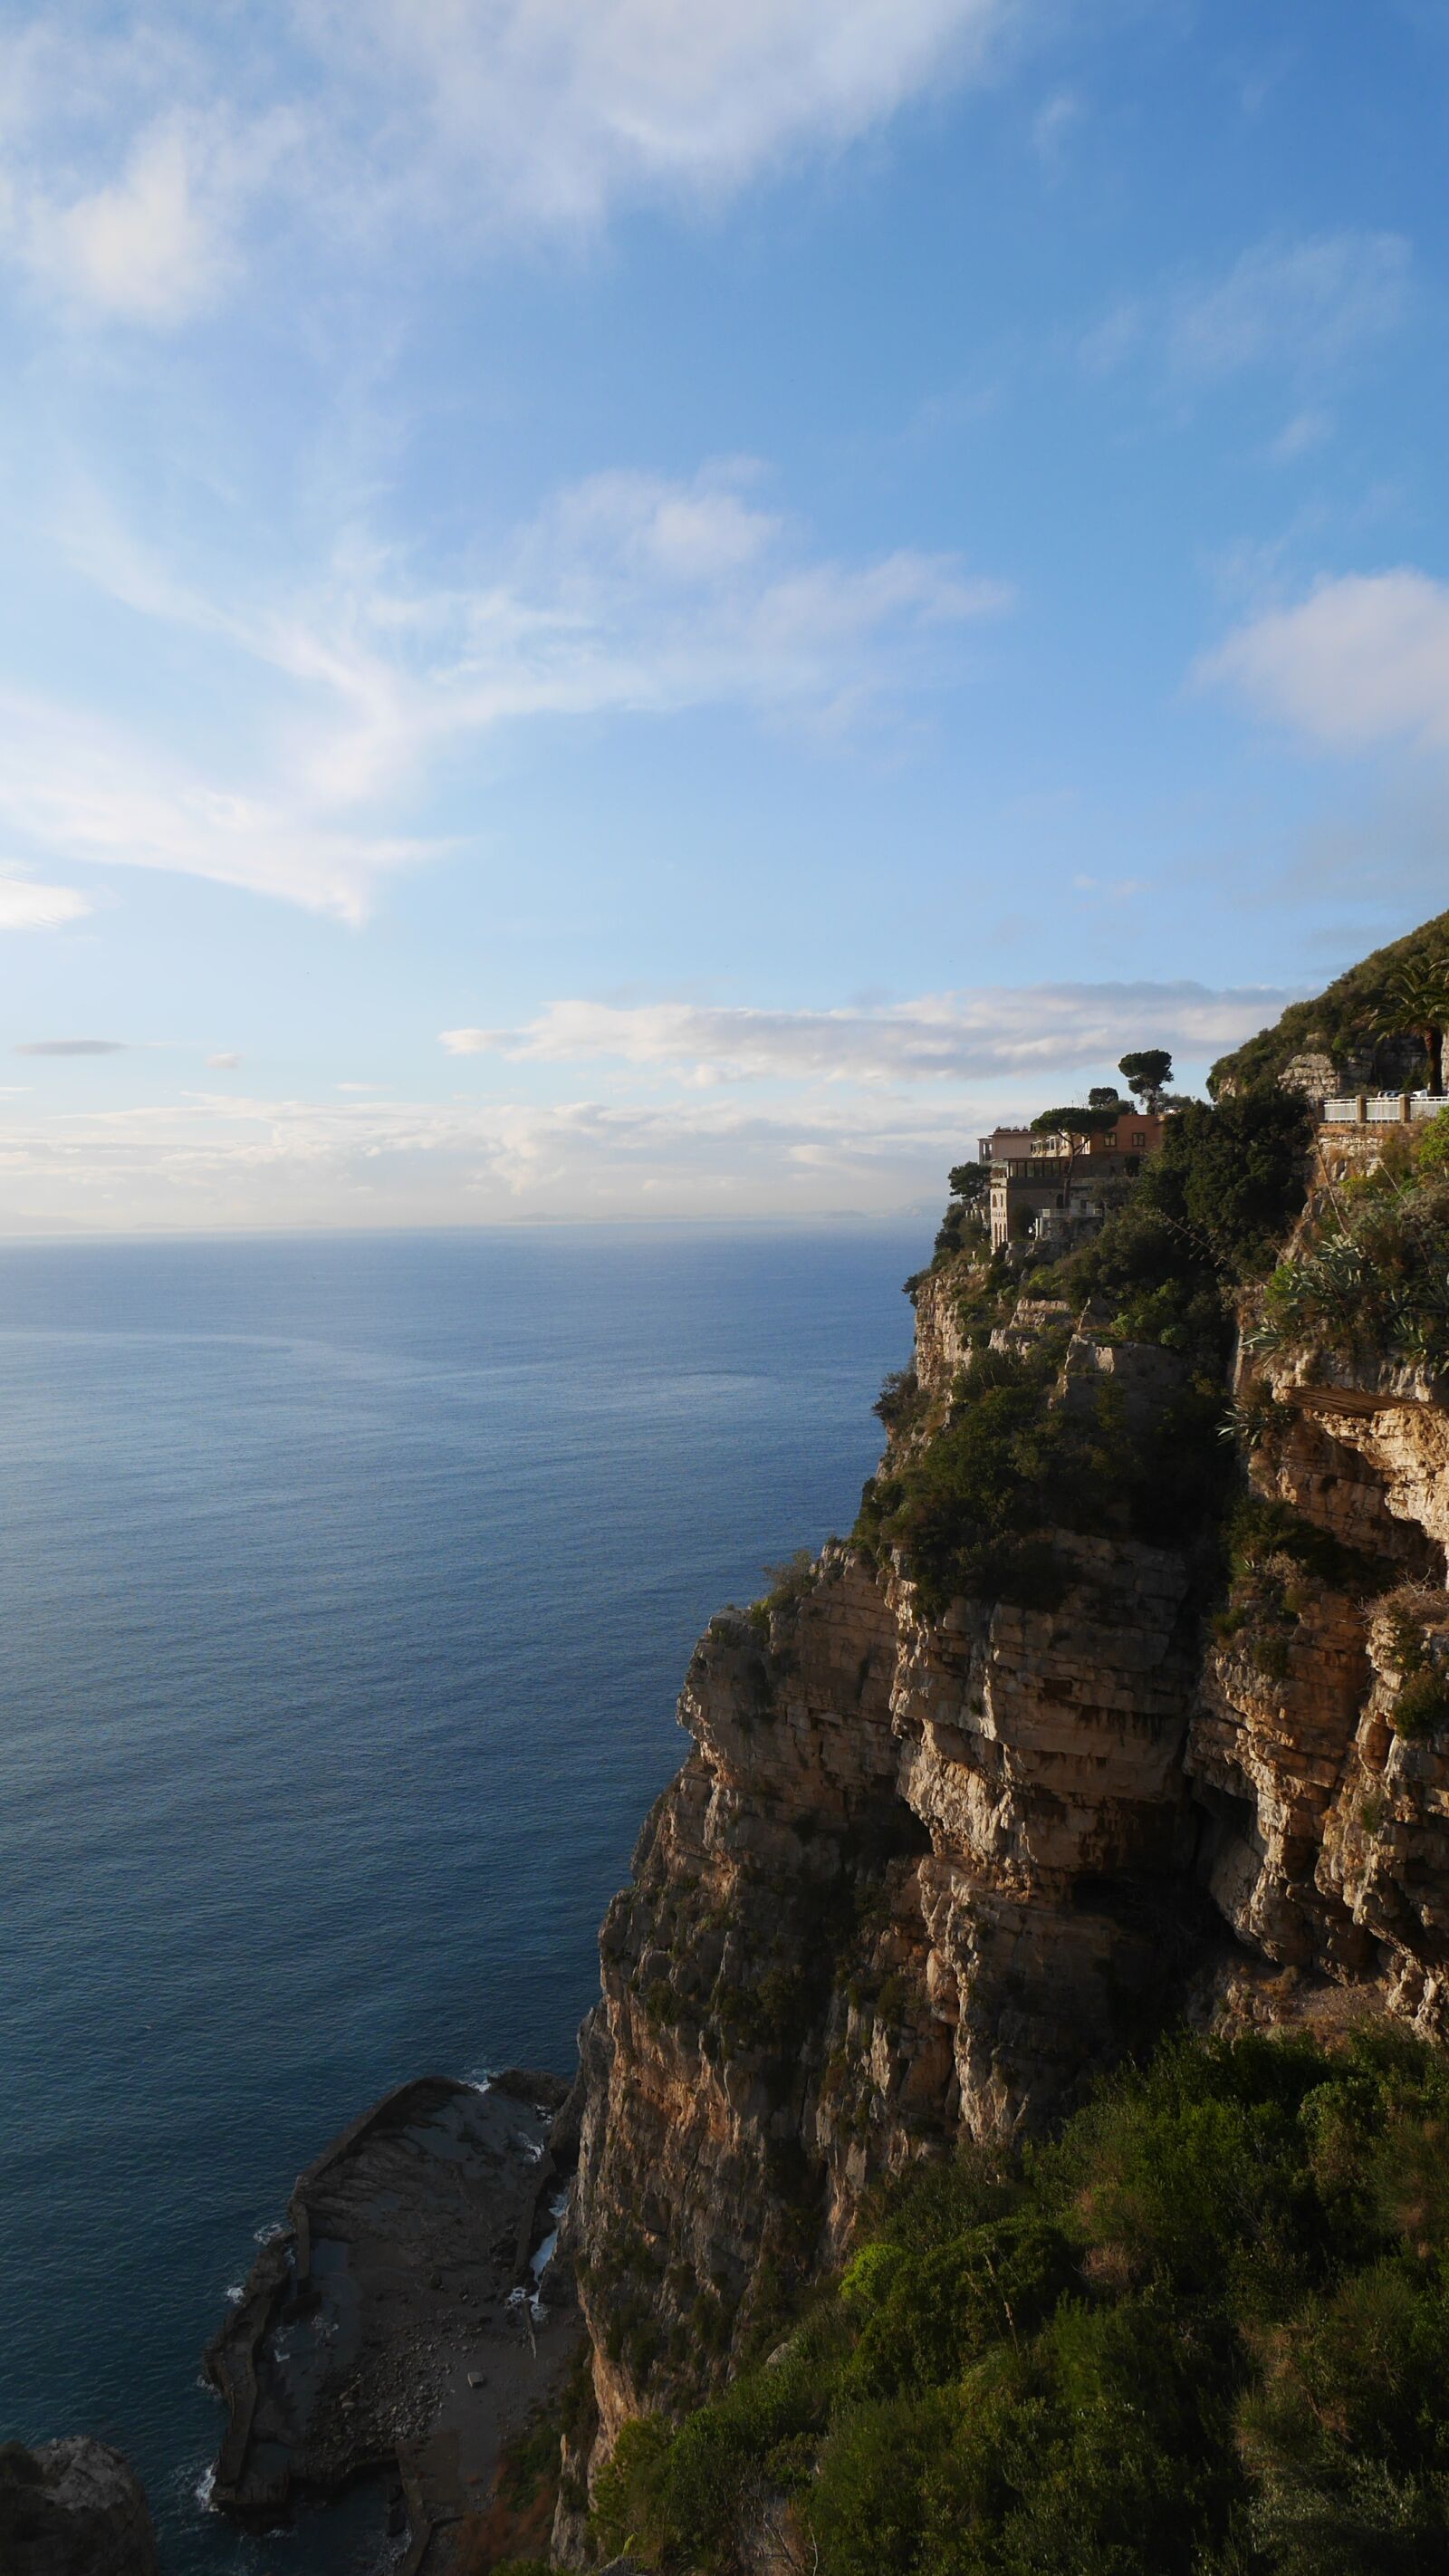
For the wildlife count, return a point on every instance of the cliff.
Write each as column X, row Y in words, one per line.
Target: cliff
column 1102, row 1718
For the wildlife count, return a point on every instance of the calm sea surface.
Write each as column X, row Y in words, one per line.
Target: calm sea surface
column 345, row 1591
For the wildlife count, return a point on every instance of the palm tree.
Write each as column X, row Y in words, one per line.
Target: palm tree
column 1416, row 1004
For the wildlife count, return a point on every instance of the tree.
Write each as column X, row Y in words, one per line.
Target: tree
column 969, row 1182
column 1147, row 1073
column 1075, row 1123
column 1229, row 1180
column 1077, row 1120
column 1416, row 1004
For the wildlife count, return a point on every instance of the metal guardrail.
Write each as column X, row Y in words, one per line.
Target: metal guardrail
column 1380, row 1108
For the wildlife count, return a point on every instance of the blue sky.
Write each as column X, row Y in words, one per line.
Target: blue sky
column 615, row 610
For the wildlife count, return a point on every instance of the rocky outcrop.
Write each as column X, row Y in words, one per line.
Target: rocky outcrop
column 397, row 2324
column 942, row 1326
column 73, row 2508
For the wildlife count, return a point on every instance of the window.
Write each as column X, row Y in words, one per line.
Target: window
column 1140, row 1139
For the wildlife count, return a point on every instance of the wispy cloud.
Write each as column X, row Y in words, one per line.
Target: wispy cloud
column 879, row 1103
column 27, row 905
column 1053, row 124
column 1306, row 304
column 138, row 157
column 153, row 245
column 553, row 113
column 237, row 1161
column 72, row 1046
column 1301, row 308
column 86, row 791
column 1030, row 1030
column 628, row 594
column 1363, row 660
column 1299, row 436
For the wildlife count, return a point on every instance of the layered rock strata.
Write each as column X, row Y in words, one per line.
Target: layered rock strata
column 920, row 1877
column 915, row 1876
column 1327, row 1834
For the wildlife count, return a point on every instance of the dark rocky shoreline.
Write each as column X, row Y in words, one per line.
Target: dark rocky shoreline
column 404, row 2325
column 73, row 2508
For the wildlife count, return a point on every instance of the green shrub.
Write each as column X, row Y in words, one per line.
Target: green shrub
column 1421, row 1710
column 1204, row 2333
column 973, row 1512
column 1422, row 1706
column 1372, row 1277
column 901, row 1402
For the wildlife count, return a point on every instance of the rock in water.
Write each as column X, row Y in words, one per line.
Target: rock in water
column 409, row 2318
column 73, row 2508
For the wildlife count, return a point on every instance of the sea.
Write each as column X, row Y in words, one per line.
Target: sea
column 346, row 1589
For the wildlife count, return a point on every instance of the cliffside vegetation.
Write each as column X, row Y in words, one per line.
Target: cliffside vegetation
column 1372, row 1276
column 1347, row 1020
column 972, row 1504
column 1203, row 2333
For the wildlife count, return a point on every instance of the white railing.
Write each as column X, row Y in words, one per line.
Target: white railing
column 1380, row 1108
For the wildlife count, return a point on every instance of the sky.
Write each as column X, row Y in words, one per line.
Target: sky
column 615, row 610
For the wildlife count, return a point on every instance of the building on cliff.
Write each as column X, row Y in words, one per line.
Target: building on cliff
column 1058, row 1188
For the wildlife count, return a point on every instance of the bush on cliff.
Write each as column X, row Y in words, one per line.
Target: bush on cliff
column 972, row 1511
column 1372, row 1278
column 1205, row 2333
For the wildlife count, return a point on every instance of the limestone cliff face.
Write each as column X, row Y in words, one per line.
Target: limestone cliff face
column 1330, row 1831
column 913, row 1877
column 921, row 1876
column 765, row 2039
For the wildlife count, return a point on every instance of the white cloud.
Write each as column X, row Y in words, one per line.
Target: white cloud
column 1362, row 660
column 24, row 905
column 1111, row 889
column 224, row 1063
column 1032, row 1030
column 1113, row 340
column 1306, row 303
